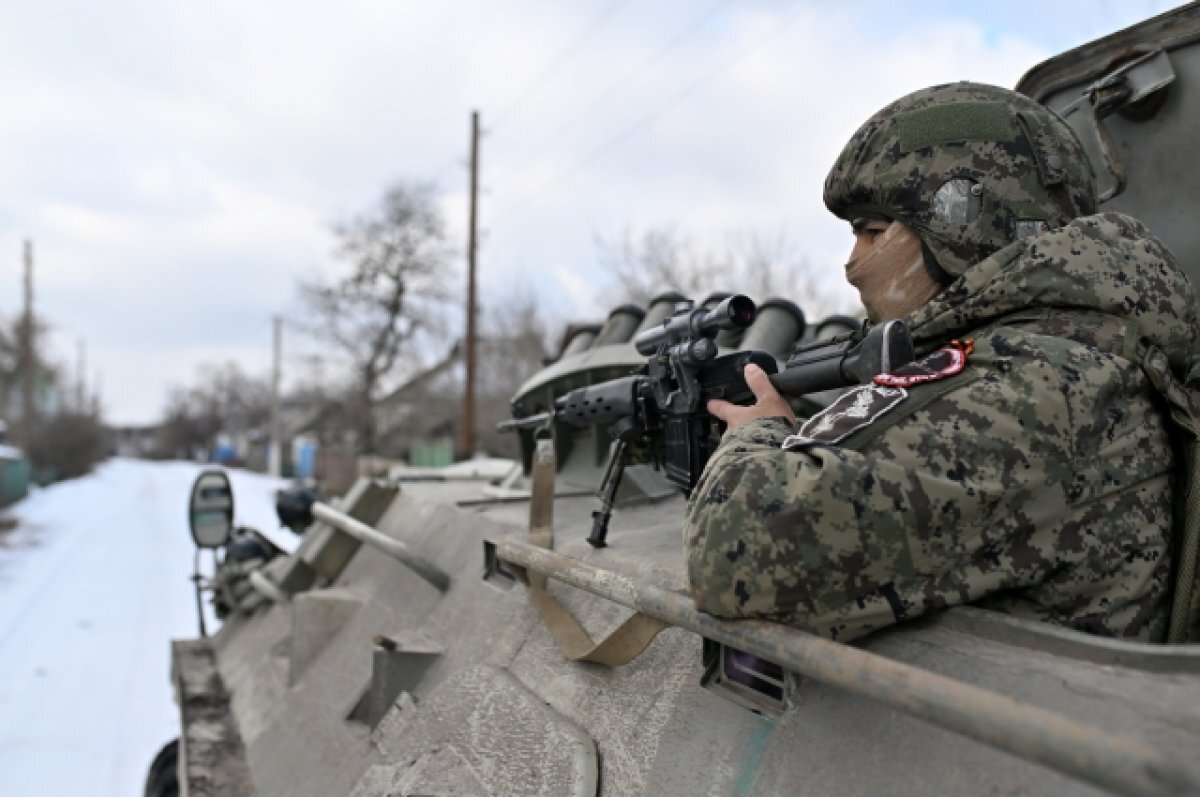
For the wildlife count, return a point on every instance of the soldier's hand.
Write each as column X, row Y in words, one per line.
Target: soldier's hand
column 768, row 403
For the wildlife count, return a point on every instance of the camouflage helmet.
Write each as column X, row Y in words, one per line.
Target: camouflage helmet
column 970, row 167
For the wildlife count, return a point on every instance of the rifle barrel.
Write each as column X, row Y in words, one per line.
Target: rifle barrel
column 520, row 424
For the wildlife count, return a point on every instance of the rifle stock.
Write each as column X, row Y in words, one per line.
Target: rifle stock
column 846, row 360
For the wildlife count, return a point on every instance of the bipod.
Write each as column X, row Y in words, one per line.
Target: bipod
column 614, row 469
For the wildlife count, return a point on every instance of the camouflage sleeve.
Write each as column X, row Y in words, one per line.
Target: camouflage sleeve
column 960, row 499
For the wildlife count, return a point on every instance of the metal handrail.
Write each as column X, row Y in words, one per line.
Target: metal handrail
column 1113, row 762
column 377, row 539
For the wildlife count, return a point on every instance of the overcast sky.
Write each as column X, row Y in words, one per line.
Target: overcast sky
column 178, row 164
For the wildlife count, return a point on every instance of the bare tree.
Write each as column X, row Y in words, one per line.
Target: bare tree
column 642, row 265
column 772, row 265
column 68, row 439
column 10, row 358
column 47, row 377
column 513, row 347
column 763, row 266
column 510, row 348
column 223, row 398
column 239, row 400
column 398, row 262
column 180, row 433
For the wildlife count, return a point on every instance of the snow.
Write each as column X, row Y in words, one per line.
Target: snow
column 11, row 452
column 94, row 583
column 479, row 468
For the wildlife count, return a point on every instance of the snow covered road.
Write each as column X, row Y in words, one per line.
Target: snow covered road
column 94, row 583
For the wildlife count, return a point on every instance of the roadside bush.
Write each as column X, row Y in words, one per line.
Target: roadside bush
column 67, row 446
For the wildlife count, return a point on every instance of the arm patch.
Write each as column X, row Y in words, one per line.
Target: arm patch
column 854, row 410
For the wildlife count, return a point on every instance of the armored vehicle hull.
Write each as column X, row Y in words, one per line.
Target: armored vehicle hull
column 380, row 684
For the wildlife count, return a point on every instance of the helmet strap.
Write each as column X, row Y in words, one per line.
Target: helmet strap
column 939, row 274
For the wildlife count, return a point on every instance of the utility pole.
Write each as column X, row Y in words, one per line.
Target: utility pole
column 81, row 402
column 466, row 442
column 28, row 362
column 275, row 445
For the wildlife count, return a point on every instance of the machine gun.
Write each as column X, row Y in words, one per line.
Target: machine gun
column 667, row 398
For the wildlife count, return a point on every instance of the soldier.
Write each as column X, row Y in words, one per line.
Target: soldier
column 1023, row 462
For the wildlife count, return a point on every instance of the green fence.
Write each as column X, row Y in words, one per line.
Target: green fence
column 14, row 480
column 432, row 454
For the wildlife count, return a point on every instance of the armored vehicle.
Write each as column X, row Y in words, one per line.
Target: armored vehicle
column 452, row 635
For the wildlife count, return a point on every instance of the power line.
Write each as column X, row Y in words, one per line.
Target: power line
column 682, row 95
column 687, row 91
column 552, row 67
column 614, row 89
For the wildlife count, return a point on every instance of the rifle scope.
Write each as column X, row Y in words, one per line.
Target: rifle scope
column 736, row 312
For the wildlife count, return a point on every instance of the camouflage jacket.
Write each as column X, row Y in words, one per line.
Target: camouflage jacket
column 1037, row 481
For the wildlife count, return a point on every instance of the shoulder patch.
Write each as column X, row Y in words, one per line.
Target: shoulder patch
column 933, row 367
column 854, row 410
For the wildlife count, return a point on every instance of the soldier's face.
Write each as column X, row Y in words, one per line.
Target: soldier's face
column 888, row 269
column 868, row 236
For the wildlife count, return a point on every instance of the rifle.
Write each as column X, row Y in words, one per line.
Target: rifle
column 667, row 398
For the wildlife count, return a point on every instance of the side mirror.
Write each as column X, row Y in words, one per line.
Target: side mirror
column 210, row 512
